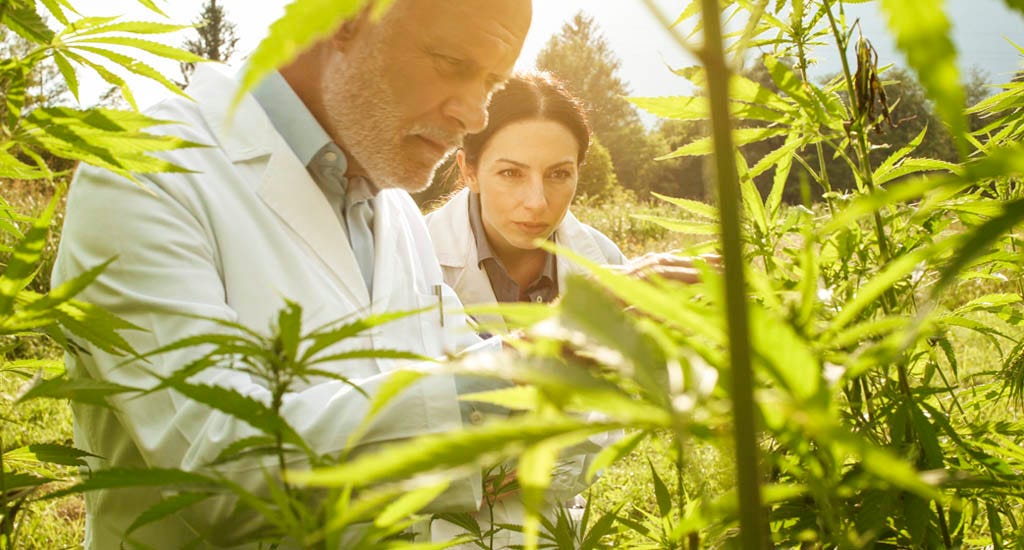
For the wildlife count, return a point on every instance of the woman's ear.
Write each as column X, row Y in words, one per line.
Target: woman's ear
column 467, row 172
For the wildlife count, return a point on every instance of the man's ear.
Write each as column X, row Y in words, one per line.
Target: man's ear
column 467, row 172
column 347, row 33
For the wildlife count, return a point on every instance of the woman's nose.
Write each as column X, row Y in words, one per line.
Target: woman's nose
column 533, row 194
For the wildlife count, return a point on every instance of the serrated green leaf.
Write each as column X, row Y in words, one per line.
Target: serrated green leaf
column 152, row 6
column 137, row 67
column 68, row 72
column 534, row 475
column 48, row 453
column 237, row 448
column 612, row 453
column 677, row 226
column 68, row 289
column 438, row 452
column 328, row 336
column 303, row 23
column 242, row 407
column 977, row 241
column 149, row 46
column 118, row 478
column 521, row 398
column 166, row 507
column 106, row 75
column 96, row 325
column 27, row 367
column 12, row 168
column 24, row 261
column 23, row 19
column 899, row 154
column 54, row 7
column 893, row 272
column 694, row 207
column 409, row 504
column 587, row 307
column 789, row 359
column 80, row 390
column 661, row 494
column 741, row 137
column 133, row 27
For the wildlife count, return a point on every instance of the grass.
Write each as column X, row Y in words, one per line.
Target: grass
column 51, row 524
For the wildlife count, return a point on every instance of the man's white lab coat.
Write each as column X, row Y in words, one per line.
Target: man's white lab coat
column 248, row 230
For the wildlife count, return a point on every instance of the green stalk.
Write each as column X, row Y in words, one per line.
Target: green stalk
column 888, row 298
column 752, row 522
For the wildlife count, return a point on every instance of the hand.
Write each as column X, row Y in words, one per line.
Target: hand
column 499, row 486
column 669, row 266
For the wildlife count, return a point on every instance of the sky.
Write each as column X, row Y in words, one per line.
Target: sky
column 645, row 48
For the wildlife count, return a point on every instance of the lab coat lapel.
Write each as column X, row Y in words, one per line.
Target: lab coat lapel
column 289, row 190
column 385, row 250
column 573, row 235
column 286, row 187
column 472, row 285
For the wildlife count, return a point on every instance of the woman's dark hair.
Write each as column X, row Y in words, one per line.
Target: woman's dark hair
column 527, row 97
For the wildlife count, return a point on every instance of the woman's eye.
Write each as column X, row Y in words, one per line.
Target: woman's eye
column 509, row 173
column 561, row 174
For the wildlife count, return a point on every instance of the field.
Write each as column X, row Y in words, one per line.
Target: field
column 851, row 376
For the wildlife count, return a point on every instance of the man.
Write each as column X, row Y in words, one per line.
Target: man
column 302, row 196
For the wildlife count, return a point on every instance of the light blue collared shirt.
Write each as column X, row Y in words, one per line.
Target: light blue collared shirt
column 326, row 162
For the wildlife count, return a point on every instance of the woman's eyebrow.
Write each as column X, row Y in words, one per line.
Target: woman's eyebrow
column 513, row 162
column 563, row 163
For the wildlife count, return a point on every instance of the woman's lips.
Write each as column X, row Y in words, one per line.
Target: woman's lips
column 531, row 228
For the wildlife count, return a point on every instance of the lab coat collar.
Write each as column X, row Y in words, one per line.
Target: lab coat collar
column 460, row 251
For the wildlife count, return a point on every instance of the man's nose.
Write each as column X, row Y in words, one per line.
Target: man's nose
column 468, row 107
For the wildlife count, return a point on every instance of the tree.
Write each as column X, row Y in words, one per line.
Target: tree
column 580, row 56
column 597, row 175
column 215, row 38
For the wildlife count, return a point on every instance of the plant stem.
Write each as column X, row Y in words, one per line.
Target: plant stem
column 752, row 522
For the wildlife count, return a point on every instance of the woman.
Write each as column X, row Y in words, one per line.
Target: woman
column 521, row 174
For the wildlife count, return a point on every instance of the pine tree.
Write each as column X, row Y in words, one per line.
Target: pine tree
column 215, row 37
column 580, row 56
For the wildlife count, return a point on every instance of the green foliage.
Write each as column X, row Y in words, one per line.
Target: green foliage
column 879, row 424
column 580, row 56
column 597, row 175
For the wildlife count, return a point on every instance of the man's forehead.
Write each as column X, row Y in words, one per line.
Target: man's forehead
column 502, row 21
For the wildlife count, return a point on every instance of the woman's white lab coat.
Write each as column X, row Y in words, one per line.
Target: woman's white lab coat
column 455, row 245
column 456, row 250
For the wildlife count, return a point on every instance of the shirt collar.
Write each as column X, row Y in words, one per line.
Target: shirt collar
column 290, row 117
column 483, row 246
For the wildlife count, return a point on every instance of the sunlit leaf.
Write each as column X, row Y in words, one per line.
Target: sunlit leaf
column 922, row 32
column 303, row 23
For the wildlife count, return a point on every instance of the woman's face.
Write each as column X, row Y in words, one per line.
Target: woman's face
column 526, row 178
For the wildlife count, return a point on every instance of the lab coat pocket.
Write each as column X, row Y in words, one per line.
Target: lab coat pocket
column 438, row 323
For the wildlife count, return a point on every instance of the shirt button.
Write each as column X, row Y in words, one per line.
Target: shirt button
column 330, row 156
column 539, row 299
column 476, row 418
